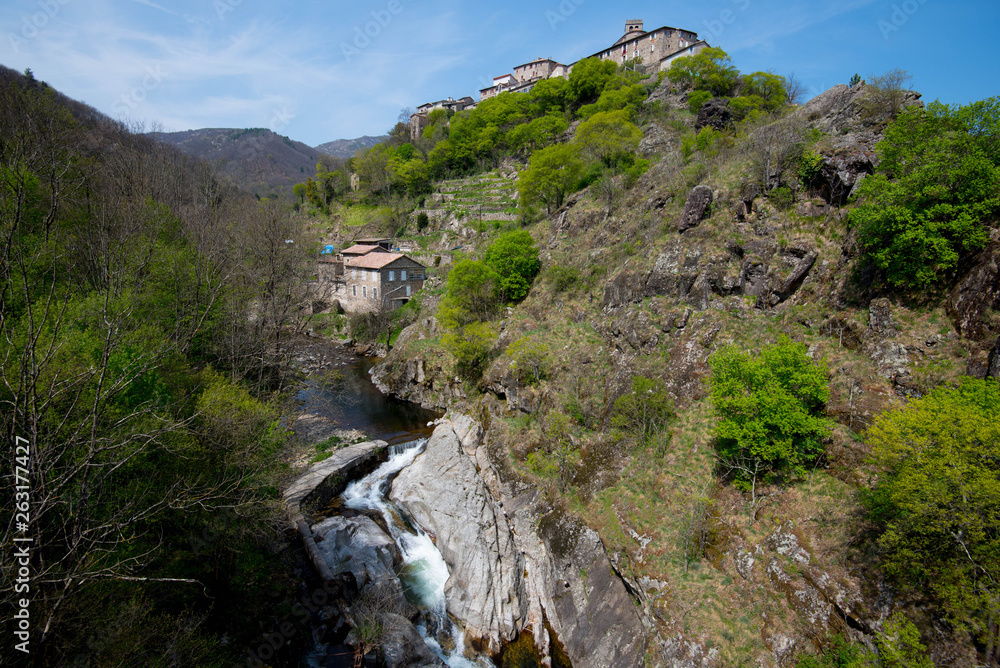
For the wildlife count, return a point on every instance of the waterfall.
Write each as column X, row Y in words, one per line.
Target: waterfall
column 424, row 572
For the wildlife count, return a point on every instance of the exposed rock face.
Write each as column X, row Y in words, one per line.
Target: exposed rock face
column 760, row 270
column 976, row 294
column 993, row 365
column 514, row 562
column 404, row 648
column 715, row 113
column 880, row 317
column 443, row 492
column 694, row 210
column 420, row 380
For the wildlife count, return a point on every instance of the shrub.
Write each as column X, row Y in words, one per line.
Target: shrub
column 645, row 410
column 769, row 407
column 938, row 496
column 422, row 221
column 530, row 360
column 933, row 197
column 514, row 259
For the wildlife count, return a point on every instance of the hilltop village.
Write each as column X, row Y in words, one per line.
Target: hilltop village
column 654, row 51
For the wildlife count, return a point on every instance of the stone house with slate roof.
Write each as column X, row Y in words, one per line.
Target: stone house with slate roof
column 365, row 277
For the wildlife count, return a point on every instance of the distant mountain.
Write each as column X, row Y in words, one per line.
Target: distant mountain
column 345, row 148
column 256, row 159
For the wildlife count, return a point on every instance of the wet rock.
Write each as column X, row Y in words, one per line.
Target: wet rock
column 715, row 113
column 404, row 648
column 697, row 204
column 444, row 493
column 357, row 546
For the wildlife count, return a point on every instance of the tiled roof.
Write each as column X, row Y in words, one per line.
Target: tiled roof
column 359, row 249
column 373, row 260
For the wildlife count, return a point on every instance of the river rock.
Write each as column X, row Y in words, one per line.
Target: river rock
column 357, row 545
column 404, row 648
column 445, row 495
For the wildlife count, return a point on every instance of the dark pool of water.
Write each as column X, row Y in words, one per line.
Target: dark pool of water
column 344, row 395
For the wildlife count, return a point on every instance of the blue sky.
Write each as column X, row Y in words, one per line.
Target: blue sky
column 309, row 70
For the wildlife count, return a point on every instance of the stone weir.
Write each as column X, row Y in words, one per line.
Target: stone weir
column 317, row 487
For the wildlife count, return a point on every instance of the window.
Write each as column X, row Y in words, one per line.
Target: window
column 402, row 275
column 392, row 276
column 407, row 290
column 364, row 290
column 354, row 274
column 374, row 293
column 354, row 289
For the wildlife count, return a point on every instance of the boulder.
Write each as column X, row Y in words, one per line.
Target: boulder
column 993, row 365
column 357, row 546
column 697, row 204
column 715, row 114
column 976, row 294
column 404, row 648
column 443, row 493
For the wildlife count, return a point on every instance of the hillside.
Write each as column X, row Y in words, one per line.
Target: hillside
column 257, row 160
column 591, row 395
column 346, row 148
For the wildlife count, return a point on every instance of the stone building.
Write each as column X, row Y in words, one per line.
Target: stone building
column 365, row 277
column 418, row 120
column 655, row 49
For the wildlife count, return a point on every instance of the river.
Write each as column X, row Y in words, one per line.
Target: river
column 341, row 395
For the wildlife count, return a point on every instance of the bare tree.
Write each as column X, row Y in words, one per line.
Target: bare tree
column 884, row 95
column 772, row 145
column 795, row 90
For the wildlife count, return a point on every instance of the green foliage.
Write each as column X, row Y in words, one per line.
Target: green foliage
column 422, row 221
column 934, row 196
column 937, row 498
column 563, row 278
column 514, row 258
column 558, row 455
column 770, row 409
column 645, row 410
column 810, row 167
column 589, row 78
column 855, row 80
column 472, row 346
column 705, row 142
column 711, row 70
column 472, row 294
column 551, row 175
column 608, row 137
column 530, row 360
column 898, row 646
column 697, row 100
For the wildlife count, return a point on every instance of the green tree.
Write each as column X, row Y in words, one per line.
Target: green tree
column 937, row 500
column 770, row 411
column 299, row 190
column 588, row 79
column 472, row 294
column 710, row 70
column 933, row 198
column 530, row 360
column 552, row 173
column 609, row 137
column 514, row 258
column 471, row 344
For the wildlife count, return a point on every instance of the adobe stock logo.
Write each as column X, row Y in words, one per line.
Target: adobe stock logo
column 372, row 29
column 31, row 25
column 900, row 16
column 132, row 99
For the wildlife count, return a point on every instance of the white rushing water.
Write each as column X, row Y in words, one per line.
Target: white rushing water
column 424, row 571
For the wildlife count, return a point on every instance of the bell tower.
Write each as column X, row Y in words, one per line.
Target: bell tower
column 634, row 25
